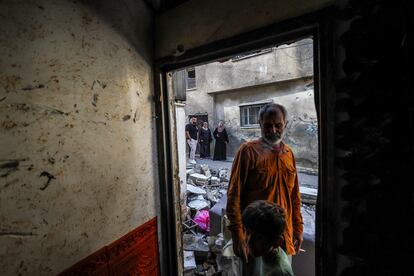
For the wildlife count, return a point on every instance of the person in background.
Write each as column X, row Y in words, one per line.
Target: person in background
column 264, row 224
column 222, row 139
column 205, row 139
column 191, row 133
column 265, row 169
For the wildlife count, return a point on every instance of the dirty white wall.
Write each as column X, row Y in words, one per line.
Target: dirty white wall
column 196, row 23
column 77, row 141
column 285, row 62
column 198, row 100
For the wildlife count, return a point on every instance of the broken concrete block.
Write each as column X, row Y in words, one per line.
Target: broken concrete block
column 194, row 243
column 218, row 244
column 199, row 179
column 195, row 190
column 214, row 195
column 199, row 203
column 224, row 175
column 205, row 170
column 225, row 184
column 189, row 260
column 214, row 181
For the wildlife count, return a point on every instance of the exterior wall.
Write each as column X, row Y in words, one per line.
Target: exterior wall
column 283, row 75
column 298, row 98
column 285, row 62
column 198, row 100
column 212, row 20
column 77, row 156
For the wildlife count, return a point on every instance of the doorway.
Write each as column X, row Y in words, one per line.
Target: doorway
column 172, row 227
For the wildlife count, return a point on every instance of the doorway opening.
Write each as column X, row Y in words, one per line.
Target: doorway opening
column 231, row 91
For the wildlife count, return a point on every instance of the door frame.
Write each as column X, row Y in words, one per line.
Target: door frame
column 319, row 26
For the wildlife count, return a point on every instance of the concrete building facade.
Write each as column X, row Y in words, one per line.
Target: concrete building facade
column 234, row 90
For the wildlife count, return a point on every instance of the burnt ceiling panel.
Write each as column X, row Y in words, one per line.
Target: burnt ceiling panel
column 164, row 5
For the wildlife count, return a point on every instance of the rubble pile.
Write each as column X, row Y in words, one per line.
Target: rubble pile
column 203, row 238
column 207, row 247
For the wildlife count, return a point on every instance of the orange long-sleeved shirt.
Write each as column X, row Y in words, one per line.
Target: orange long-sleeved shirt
column 259, row 172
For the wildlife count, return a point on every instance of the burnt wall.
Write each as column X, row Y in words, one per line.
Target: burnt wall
column 374, row 139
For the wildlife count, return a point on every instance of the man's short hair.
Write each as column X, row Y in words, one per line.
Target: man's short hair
column 265, row 217
column 270, row 108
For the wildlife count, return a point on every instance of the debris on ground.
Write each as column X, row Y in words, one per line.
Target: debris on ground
column 189, row 260
column 207, row 247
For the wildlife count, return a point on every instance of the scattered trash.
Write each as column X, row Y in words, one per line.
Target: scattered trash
column 202, row 218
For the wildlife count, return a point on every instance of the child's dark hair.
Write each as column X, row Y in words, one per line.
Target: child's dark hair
column 264, row 217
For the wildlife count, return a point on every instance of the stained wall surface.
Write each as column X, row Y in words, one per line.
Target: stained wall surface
column 77, row 141
column 302, row 128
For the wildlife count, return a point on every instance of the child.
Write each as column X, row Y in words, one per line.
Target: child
column 264, row 222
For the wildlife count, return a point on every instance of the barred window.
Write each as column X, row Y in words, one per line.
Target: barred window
column 249, row 115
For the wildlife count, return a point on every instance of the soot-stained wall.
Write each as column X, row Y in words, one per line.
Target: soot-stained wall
column 374, row 139
column 212, row 20
column 77, row 156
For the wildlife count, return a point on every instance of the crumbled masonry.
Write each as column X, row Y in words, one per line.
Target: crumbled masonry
column 205, row 249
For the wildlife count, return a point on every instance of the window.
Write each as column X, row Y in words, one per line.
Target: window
column 249, row 115
column 191, row 79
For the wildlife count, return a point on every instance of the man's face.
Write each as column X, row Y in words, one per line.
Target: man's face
column 273, row 127
column 194, row 121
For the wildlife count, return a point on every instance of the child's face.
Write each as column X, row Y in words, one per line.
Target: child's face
column 258, row 244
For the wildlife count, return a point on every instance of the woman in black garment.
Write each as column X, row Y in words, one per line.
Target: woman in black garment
column 222, row 139
column 204, row 136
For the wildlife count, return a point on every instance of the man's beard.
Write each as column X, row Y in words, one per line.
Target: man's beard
column 273, row 138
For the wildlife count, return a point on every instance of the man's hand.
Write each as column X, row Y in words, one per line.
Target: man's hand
column 240, row 249
column 297, row 242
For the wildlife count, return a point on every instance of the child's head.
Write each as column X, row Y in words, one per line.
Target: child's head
column 265, row 223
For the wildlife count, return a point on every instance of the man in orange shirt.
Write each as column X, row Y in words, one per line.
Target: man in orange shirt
column 265, row 169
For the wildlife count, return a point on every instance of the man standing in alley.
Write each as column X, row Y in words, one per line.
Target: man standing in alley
column 265, row 169
column 191, row 133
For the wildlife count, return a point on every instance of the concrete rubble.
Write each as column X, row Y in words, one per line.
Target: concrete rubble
column 208, row 250
column 206, row 190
